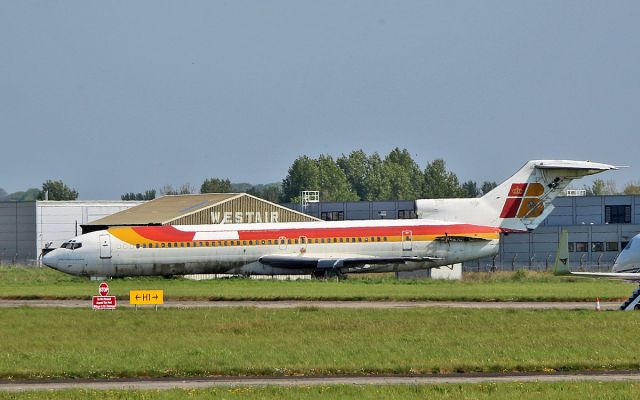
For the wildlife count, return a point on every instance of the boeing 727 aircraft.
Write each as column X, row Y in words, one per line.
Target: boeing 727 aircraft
column 447, row 231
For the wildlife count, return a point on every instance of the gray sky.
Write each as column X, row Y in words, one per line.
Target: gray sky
column 121, row 96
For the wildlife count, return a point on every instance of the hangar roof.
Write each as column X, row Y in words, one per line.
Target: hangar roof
column 191, row 209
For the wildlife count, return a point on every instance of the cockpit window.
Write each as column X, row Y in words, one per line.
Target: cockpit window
column 66, row 245
column 75, row 246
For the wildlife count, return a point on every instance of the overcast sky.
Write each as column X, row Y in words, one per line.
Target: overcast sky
column 121, row 96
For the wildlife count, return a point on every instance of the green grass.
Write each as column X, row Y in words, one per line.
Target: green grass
column 58, row 343
column 39, row 283
column 493, row 391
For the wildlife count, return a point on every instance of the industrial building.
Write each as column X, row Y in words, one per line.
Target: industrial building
column 27, row 227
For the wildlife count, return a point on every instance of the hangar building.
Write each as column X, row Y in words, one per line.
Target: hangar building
column 200, row 209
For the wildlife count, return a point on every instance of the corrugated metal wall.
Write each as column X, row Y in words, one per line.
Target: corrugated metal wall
column 243, row 209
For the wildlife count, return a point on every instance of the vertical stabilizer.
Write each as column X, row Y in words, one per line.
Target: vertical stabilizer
column 520, row 203
column 561, row 266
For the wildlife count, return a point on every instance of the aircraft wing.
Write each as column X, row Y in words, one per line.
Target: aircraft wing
column 336, row 261
column 623, row 276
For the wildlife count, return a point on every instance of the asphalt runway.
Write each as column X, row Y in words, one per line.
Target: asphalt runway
column 199, row 383
column 530, row 305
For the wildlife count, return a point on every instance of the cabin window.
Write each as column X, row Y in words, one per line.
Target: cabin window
column 378, row 238
column 162, row 244
column 335, row 240
column 263, row 242
column 269, row 242
column 168, row 244
column 385, row 238
column 360, row 240
column 237, row 243
column 251, row 242
column 341, row 240
column 288, row 241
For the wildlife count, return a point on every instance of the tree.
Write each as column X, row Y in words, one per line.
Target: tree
column 303, row 175
column 470, row 189
column 377, row 183
column 487, row 187
column 216, row 185
column 602, row 188
column 334, row 185
column 147, row 195
column 270, row 192
column 3, row 194
column 57, row 190
column 632, row 188
column 356, row 168
column 439, row 183
column 404, row 175
column 168, row 190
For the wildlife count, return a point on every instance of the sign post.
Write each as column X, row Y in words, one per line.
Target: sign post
column 146, row 297
column 104, row 302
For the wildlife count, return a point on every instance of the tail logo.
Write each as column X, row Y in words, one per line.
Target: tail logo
column 523, row 201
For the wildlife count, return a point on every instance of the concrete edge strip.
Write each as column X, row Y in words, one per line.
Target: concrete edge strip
column 200, row 383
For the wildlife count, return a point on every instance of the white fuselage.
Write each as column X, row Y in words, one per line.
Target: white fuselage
column 237, row 249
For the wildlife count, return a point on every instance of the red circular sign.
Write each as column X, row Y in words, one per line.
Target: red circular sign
column 103, row 289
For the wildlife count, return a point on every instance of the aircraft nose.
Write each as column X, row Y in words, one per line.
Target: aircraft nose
column 50, row 260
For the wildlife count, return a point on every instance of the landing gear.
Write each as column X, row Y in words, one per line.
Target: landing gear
column 633, row 302
column 327, row 274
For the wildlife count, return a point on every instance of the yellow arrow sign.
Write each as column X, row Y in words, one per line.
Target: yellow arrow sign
column 145, row 297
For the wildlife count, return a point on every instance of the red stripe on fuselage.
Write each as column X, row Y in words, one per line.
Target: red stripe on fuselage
column 165, row 233
column 168, row 233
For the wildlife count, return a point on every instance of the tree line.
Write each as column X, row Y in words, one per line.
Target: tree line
column 352, row 177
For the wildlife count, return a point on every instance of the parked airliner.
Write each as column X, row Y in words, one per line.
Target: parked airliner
column 626, row 268
column 447, row 231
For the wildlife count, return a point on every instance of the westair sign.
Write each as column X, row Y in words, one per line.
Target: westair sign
column 104, row 302
column 146, row 297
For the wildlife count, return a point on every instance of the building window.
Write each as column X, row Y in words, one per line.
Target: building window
column 611, row 246
column 597, row 247
column 572, row 247
column 332, row 215
column 617, row 214
column 406, row 214
column 582, row 247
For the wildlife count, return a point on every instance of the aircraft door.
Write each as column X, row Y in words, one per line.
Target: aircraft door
column 303, row 244
column 105, row 246
column 282, row 242
column 407, row 240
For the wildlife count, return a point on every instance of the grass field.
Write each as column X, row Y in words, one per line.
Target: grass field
column 493, row 391
column 26, row 283
column 57, row 343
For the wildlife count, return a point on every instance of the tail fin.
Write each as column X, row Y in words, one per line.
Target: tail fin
column 561, row 265
column 520, row 203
